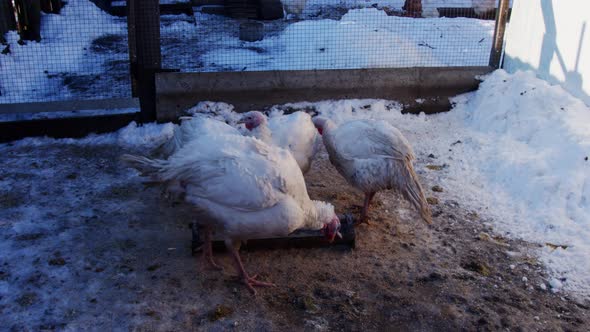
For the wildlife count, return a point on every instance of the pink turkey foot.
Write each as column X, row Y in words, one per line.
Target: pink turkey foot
column 208, row 251
column 249, row 281
column 365, row 211
column 208, row 256
column 364, row 218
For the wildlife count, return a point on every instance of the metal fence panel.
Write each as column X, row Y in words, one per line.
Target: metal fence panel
column 74, row 52
column 81, row 51
column 330, row 34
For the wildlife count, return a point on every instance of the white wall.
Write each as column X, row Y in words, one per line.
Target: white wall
column 551, row 37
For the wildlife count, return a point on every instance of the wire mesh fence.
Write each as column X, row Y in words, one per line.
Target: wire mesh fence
column 330, row 34
column 55, row 50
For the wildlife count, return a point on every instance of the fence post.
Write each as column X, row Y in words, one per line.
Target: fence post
column 498, row 41
column 144, row 53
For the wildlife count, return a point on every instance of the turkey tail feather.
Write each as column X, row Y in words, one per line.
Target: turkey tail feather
column 171, row 145
column 406, row 181
column 146, row 166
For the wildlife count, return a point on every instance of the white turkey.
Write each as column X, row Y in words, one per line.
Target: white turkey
column 240, row 189
column 190, row 128
column 373, row 156
column 294, row 132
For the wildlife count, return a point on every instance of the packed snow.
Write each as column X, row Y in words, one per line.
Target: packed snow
column 9, row 117
column 67, row 60
column 516, row 151
column 362, row 38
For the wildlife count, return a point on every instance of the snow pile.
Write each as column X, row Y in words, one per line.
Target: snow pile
column 536, row 155
column 133, row 136
column 517, row 151
column 362, row 38
column 429, row 7
column 30, row 72
column 9, row 117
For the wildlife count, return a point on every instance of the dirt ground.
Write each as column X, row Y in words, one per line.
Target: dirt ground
column 86, row 247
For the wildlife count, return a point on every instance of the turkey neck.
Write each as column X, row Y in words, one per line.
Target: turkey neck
column 327, row 131
column 329, row 143
column 317, row 214
column 262, row 132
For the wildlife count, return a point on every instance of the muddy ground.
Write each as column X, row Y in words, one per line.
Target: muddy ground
column 85, row 247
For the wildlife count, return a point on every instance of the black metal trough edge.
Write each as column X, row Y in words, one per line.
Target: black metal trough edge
column 298, row 239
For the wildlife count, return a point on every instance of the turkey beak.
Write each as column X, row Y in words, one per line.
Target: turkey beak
column 241, row 121
column 339, row 235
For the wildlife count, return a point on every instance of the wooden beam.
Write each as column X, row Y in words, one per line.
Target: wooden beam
column 260, row 89
column 69, row 105
column 498, row 41
column 7, row 21
column 60, row 128
column 146, row 17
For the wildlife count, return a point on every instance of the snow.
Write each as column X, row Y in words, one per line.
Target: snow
column 35, row 71
column 362, row 38
column 520, row 165
column 132, row 136
column 515, row 151
column 83, row 51
column 429, row 7
column 63, row 114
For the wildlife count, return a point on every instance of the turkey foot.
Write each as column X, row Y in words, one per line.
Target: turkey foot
column 365, row 211
column 208, row 256
column 249, row 281
column 208, row 251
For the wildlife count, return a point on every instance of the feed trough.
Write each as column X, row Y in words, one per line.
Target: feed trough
column 297, row 239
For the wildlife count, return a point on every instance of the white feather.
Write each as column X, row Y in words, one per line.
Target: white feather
column 373, row 156
column 294, row 132
column 242, row 187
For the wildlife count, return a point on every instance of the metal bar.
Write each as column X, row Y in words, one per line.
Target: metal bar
column 498, row 43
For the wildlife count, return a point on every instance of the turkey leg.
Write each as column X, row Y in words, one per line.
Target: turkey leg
column 250, row 282
column 208, row 250
column 365, row 211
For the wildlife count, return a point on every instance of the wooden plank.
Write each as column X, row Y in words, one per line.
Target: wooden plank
column 468, row 12
column 7, row 21
column 498, row 43
column 69, row 105
column 298, row 239
column 131, row 12
column 148, row 54
column 60, row 128
column 260, row 89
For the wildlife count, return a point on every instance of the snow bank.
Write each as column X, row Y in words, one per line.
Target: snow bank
column 535, row 155
column 429, row 7
column 133, row 136
column 362, row 38
column 516, row 151
column 31, row 72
